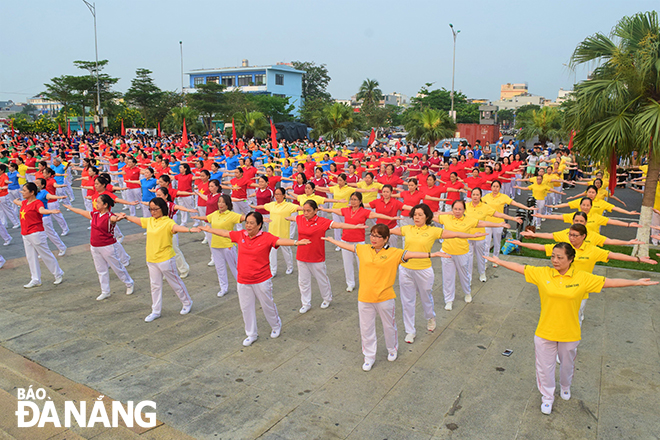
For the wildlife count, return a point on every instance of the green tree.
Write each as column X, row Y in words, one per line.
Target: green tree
column 440, row 99
column 163, row 107
column 370, row 94
column 143, row 93
column 336, row 122
column 527, row 108
column 505, row 116
column 208, row 100
column 132, row 118
column 44, row 124
column 617, row 111
column 276, row 107
column 62, row 89
column 174, row 121
column 251, row 124
column 546, row 123
column 315, row 80
column 430, row 126
column 22, row 123
column 87, row 95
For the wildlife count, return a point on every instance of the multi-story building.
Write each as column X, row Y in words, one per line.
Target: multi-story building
column 280, row 79
column 45, row 105
column 508, row 90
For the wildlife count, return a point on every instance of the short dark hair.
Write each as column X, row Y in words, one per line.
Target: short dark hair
column 227, row 199
column 580, row 229
column 312, row 204
column 568, row 250
column 162, row 204
column 427, row 212
column 257, row 217
column 382, row 230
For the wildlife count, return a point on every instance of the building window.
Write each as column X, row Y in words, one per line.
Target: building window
column 198, row 81
column 228, row 81
column 279, row 79
column 244, row 80
column 212, row 79
column 260, row 80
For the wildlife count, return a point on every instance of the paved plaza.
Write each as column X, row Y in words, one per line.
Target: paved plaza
column 308, row 383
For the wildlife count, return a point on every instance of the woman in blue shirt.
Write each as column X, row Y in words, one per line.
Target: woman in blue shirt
column 287, row 172
column 147, row 182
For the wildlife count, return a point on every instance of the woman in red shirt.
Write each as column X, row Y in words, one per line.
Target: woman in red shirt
column 311, row 258
column 185, row 182
column 354, row 214
column 414, row 196
column 264, row 194
column 34, row 237
column 211, row 200
column 102, row 245
column 414, row 168
column 389, row 206
column 434, row 193
column 454, row 189
column 202, row 186
column 254, row 277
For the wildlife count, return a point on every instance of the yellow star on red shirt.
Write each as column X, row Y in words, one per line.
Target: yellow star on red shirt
column 22, row 214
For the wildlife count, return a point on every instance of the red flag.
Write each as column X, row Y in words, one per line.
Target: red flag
column 273, row 134
column 184, row 137
column 159, row 129
column 123, row 130
column 68, row 129
column 613, row 178
column 372, row 137
column 570, row 141
column 59, row 128
column 12, row 128
column 233, row 132
column 91, row 127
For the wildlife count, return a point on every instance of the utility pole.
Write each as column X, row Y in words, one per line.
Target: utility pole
column 181, row 47
column 453, row 72
column 97, row 120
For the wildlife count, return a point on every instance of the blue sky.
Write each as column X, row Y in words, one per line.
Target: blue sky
column 401, row 44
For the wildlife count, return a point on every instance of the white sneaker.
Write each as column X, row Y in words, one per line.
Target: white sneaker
column 350, row 288
column 496, row 265
column 392, row 356
column 410, row 338
column 367, row 365
column 337, row 249
column 565, row 394
column 2, row 263
column 6, row 243
column 89, row 228
column 546, row 408
column 186, row 309
column 211, row 263
column 128, row 263
column 184, row 275
column 289, row 271
column 61, row 253
column 430, row 324
column 325, row 304
column 222, row 293
column 275, row 333
column 129, row 289
column 305, row 308
column 103, row 296
column 248, row 341
column 482, row 277
column 205, row 241
column 32, row 284
column 468, row 298
column 120, row 240
column 151, row 317
column 16, row 226
column 65, row 233
column 58, row 280
column 448, row 306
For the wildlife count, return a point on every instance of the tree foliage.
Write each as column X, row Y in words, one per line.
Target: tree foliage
column 546, row 123
column 208, row 100
column 336, row 122
column 440, row 99
column 429, row 126
column 143, row 93
column 251, row 124
column 314, row 89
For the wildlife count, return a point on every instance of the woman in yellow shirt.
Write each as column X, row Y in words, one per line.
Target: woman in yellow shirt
column 160, row 255
column 310, row 194
column 561, row 289
column 417, row 276
column 223, row 251
column 496, row 200
column 594, row 221
column 458, row 249
column 598, row 206
column 378, row 264
column 540, row 191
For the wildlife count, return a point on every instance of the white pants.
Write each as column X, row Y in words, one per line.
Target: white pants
column 367, row 314
column 337, row 232
column 167, row 270
column 247, row 296
column 4, row 234
column 63, row 192
column 124, row 258
column 133, row 195
column 30, row 177
column 350, row 258
column 546, row 360
column 457, row 264
column 181, row 263
column 202, row 213
column 145, row 211
column 220, row 257
column 540, row 204
column 59, row 218
column 305, row 273
column 89, row 206
column 477, row 250
column 393, row 241
column 106, row 257
column 655, row 221
column 2, row 261
column 36, row 246
column 6, row 209
column 51, row 234
column 186, row 202
column 494, row 238
column 412, row 282
column 14, row 194
column 288, row 259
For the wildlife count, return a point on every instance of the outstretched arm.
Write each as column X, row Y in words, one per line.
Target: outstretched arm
column 82, row 212
column 340, row 244
column 507, row 264
column 535, row 246
column 621, row 282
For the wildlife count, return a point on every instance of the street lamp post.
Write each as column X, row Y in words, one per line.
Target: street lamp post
column 453, row 71
column 98, row 120
column 181, row 46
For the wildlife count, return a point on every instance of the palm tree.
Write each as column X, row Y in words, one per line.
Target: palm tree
column 335, row 122
column 251, row 124
column 546, row 123
column 617, row 111
column 369, row 93
column 430, row 126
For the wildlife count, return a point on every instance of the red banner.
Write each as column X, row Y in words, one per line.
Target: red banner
column 184, row 137
column 273, row 134
column 372, row 138
column 233, row 132
column 613, row 178
column 123, row 130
